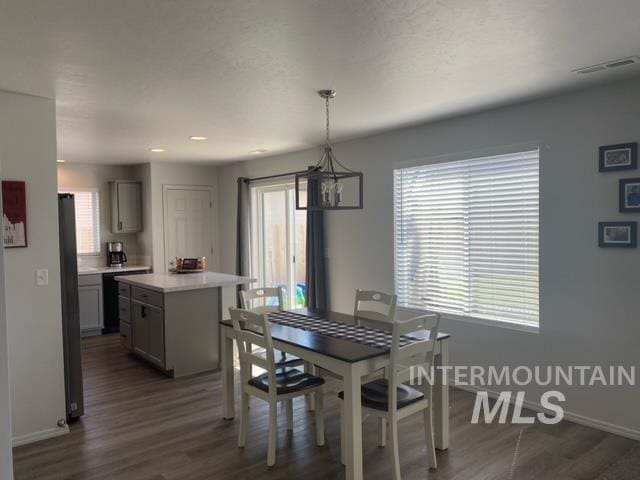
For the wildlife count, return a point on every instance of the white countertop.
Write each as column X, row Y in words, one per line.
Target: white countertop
column 101, row 270
column 174, row 282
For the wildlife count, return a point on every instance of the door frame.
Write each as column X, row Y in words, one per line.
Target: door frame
column 257, row 231
column 165, row 219
column 6, row 456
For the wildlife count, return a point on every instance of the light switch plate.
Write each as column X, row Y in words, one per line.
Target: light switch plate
column 42, row 277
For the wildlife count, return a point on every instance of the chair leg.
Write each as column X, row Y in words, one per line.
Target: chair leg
column 319, row 401
column 342, row 435
column 309, row 398
column 382, row 432
column 244, row 420
column 428, row 428
column 394, row 451
column 289, row 406
column 273, row 433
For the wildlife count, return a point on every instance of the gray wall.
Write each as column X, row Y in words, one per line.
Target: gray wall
column 36, row 373
column 589, row 301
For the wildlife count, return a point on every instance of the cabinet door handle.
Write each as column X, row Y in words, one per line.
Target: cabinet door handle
column 120, row 225
column 144, row 311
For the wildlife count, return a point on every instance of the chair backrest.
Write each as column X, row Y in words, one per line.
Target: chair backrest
column 256, row 299
column 253, row 328
column 375, row 309
column 414, row 353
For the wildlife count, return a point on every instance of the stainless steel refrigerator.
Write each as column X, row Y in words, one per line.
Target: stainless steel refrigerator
column 70, row 307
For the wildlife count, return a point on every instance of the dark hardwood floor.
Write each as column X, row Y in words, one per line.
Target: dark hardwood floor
column 140, row 425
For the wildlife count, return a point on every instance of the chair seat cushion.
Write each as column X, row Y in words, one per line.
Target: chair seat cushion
column 281, row 358
column 289, row 380
column 376, row 395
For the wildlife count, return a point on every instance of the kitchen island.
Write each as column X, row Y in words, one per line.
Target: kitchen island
column 172, row 321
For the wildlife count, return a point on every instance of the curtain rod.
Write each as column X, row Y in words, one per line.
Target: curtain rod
column 267, row 177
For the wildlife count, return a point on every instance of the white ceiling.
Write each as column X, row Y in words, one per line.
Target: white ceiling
column 129, row 75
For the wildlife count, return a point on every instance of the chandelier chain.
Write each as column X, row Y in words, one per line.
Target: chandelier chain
column 327, row 113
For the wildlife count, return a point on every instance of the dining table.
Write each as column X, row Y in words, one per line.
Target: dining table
column 333, row 341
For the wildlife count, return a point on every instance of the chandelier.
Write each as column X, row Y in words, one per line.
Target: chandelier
column 328, row 185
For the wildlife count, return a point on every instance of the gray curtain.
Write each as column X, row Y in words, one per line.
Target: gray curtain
column 316, row 275
column 243, row 254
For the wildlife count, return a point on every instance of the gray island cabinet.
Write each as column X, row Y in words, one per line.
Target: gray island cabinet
column 172, row 321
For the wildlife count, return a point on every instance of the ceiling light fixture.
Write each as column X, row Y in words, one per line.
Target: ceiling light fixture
column 157, row 150
column 258, row 151
column 197, row 138
column 329, row 184
column 60, row 160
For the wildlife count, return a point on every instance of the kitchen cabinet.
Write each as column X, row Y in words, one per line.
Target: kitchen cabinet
column 90, row 305
column 175, row 319
column 126, row 206
column 147, row 328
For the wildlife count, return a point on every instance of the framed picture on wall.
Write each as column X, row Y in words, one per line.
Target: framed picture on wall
column 617, row 234
column 14, row 214
column 623, row 156
column 629, row 195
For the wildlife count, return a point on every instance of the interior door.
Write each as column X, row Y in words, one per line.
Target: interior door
column 188, row 227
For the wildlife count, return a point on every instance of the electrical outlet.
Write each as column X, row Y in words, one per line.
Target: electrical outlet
column 42, row 277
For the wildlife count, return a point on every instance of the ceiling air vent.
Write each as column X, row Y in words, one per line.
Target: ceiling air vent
column 622, row 62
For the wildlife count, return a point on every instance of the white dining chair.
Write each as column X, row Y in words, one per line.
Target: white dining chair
column 390, row 400
column 257, row 300
column 274, row 386
column 375, row 309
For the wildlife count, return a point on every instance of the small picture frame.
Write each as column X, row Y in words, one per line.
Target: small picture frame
column 629, row 197
column 617, row 234
column 623, row 156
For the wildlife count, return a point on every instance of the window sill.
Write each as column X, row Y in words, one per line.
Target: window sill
column 520, row 327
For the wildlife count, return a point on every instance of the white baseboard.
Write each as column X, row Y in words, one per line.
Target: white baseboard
column 571, row 416
column 37, row 436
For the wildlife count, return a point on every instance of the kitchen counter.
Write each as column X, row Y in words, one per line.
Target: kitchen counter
column 101, row 270
column 173, row 282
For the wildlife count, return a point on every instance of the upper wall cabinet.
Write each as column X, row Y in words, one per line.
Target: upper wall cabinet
column 126, row 206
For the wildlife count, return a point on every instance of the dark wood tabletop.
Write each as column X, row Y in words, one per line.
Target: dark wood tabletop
column 345, row 350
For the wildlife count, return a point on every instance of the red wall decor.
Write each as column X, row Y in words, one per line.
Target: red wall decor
column 14, row 218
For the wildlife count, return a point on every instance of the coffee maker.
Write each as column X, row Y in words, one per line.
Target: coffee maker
column 115, row 254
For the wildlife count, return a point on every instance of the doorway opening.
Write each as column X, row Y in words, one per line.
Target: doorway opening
column 278, row 241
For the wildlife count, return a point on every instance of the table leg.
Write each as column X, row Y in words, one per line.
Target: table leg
column 441, row 399
column 228, row 382
column 353, row 425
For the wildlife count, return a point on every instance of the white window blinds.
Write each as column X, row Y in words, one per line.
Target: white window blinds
column 87, row 221
column 466, row 237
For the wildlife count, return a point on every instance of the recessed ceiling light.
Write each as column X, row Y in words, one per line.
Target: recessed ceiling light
column 156, row 150
column 258, row 151
column 60, row 160
column 197, row 137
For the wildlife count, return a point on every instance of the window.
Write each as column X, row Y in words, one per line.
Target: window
column 466, row 237
column 278, row 242
column 87, row 221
